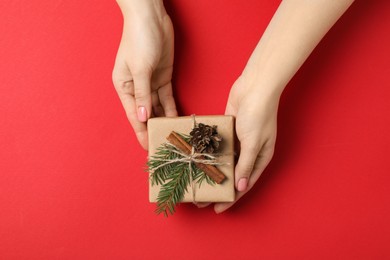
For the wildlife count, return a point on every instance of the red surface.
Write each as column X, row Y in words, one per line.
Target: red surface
column 72, row 184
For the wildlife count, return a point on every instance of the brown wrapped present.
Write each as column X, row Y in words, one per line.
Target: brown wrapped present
column 164, row 130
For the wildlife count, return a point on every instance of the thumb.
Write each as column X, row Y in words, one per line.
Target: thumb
column 142, row 94
column 245, row 164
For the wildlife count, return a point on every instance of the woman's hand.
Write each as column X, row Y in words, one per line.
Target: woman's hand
column 294, row 31
column 255, row 111
column 143, row 67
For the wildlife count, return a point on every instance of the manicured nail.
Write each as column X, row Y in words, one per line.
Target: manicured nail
column 142, row 114
column 242, row 184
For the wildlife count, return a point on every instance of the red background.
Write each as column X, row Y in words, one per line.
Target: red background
column 72, row 184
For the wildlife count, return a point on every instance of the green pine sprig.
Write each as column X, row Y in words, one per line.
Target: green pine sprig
column 174, row 178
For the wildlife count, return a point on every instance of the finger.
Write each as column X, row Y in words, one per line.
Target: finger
column 229, row 110
column 143, row 99
column 124, row 86
column 261, row 163
column 202, row 204
column 139, row 128
column 157, row 108
column 244, row 167
column 167, row 101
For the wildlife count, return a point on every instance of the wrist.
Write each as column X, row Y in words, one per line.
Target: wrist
column 261, row 86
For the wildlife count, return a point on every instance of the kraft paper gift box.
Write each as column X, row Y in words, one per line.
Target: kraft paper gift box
column 160, row 128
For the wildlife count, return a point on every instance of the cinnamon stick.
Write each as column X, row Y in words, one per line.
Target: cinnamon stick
column 212, row 171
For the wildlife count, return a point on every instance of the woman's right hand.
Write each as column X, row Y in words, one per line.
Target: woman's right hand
column 143, row 68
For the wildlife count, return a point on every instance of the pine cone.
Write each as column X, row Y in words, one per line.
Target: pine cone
column 205, row 138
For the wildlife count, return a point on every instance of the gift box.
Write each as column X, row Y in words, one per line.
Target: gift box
column 161, row 129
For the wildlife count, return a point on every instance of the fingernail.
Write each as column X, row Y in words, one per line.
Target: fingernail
column 242, row 184
column 142, row 114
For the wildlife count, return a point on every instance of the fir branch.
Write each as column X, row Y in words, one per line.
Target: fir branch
column 159, row 175
column 174, row 178
column 172, row 191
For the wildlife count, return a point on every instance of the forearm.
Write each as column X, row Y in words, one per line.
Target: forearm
column 294, row 31
column 143, row 8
